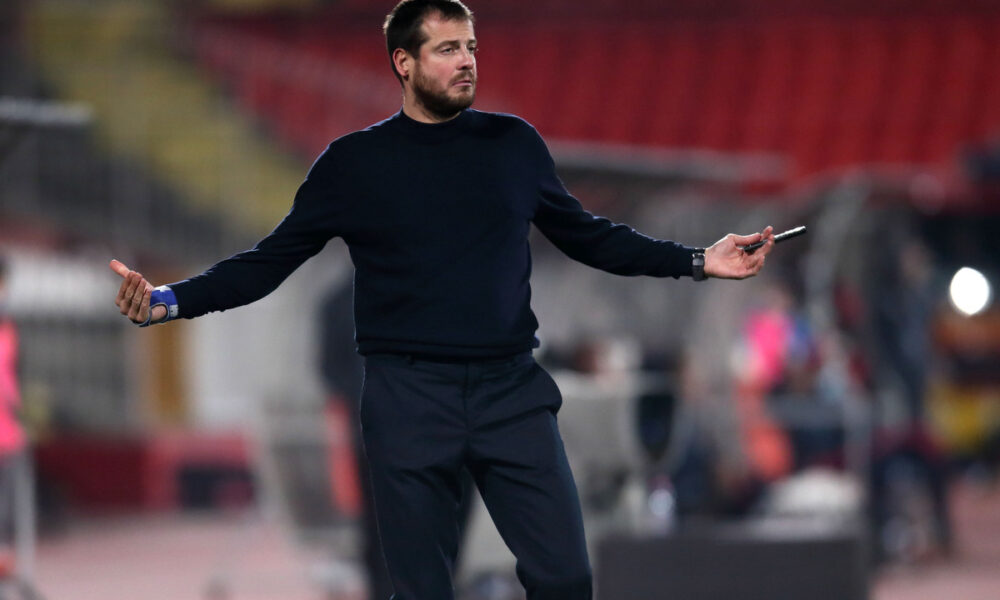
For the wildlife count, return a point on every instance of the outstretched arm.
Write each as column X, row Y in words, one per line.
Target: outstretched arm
column 619, row 249
column 725, row 259
column 134, row 294
column 317, row 214
column 596, row 241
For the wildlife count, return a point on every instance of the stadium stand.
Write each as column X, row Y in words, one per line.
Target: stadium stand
column 150, row 106
column 831, row 91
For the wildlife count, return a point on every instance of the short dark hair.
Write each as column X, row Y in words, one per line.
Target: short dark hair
column 402, row 26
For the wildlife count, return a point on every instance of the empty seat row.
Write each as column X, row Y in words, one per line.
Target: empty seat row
column 828, row 92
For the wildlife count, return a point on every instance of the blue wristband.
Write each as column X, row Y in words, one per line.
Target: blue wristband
column 162, row 296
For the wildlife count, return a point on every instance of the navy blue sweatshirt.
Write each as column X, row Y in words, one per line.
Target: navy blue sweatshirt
column 436, row 218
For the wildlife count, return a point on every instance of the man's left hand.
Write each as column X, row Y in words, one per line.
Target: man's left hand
column 726, row 260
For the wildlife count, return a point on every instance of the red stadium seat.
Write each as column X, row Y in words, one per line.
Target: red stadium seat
column 827, row 91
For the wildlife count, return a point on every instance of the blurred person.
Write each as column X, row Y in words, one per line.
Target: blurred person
column 905, row 298
column 12, row 438
column 786, row 363
column 782, row 356
column 435, row 204
column 715, row 471
column 907, row 453
column 767, row 339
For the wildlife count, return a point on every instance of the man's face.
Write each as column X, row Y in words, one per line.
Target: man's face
column 444, row 75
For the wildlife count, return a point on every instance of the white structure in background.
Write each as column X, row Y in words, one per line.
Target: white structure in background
column 40, row 281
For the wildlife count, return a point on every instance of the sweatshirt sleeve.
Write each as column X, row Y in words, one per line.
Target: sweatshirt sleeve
column 316, row 216
column 596, row 241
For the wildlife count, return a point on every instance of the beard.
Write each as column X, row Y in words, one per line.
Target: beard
column 439, row 102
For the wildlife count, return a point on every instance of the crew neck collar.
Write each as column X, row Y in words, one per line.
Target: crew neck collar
column 432, row 131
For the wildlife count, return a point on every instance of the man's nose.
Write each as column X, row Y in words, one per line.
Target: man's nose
column 468, row 59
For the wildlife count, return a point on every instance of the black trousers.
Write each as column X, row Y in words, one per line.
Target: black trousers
column 422, row 422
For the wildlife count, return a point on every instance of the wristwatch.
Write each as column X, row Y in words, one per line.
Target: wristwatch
column 698, row 265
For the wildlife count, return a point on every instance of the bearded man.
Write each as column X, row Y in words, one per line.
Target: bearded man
column 435, row 205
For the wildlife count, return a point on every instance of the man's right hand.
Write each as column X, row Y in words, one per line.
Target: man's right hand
column 133, row 296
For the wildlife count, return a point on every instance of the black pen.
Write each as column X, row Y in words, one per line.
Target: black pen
column 801, row 229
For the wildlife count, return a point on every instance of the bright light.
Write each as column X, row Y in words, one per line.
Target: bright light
column 970, row 291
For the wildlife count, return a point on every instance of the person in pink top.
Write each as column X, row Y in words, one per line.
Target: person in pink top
column 11, row 433
column 12, row 439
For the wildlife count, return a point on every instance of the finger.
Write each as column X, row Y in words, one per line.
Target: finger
column 768, row 234
column 743, row 240
column 118, row 267
column 122, row 289
column 157, row 313
column 140, row 289
column 134, row 279
column 144, row 305
column 127, row 291
column 136, row 303
column 759, row 264
column 767, row 247
column 131, row 305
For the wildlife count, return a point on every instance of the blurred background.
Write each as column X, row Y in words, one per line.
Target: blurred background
column 829, row 427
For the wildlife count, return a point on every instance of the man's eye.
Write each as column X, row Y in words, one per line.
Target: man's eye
column 447, row 50
column 473, row 49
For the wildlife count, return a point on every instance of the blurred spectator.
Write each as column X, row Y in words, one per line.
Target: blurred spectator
column 905, row 298
column 712, row 472
column 774, row 346
column 907, row 456
column 12, row 439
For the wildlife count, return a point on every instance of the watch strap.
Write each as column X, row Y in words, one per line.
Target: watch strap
column 698, row 265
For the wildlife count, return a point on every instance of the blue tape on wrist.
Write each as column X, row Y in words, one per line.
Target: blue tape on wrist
column 162, row 296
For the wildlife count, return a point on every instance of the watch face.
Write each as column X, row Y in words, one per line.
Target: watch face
column 698, row 266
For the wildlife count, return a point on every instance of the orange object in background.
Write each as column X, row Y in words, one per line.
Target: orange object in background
column 767, row 447
column 345, row 489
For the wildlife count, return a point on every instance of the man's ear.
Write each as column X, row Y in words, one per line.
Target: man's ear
column 403, row 62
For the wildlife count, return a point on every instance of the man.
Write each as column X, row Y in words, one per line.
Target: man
column 435, row 205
